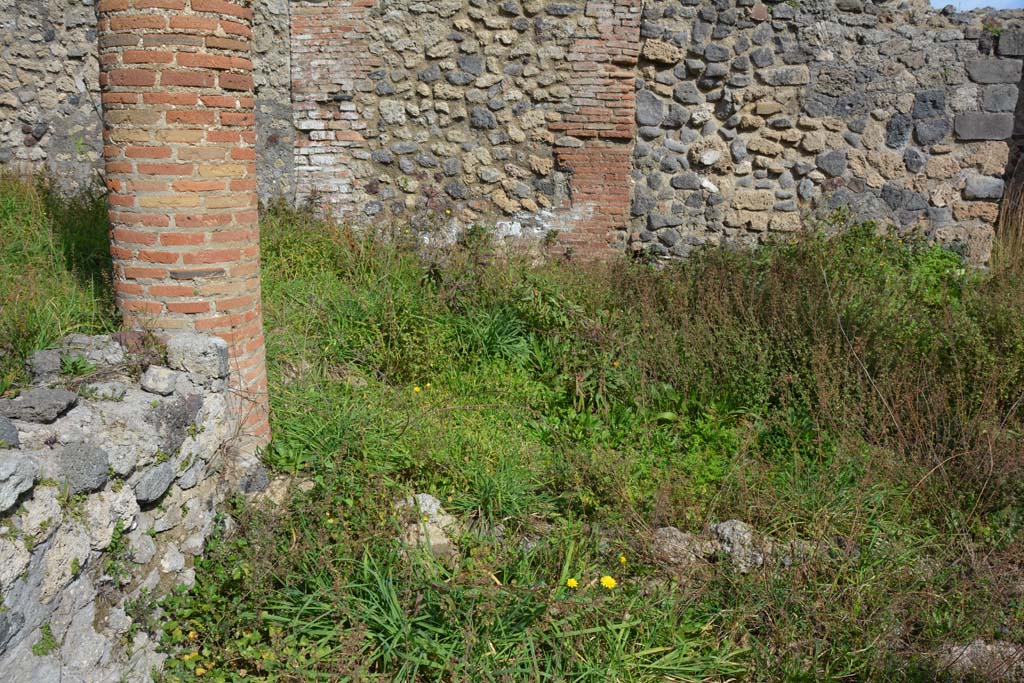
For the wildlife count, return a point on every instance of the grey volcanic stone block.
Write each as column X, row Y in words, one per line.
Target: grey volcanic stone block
column 983, row 126
column 1000, row 98
column 929, row 104
column 198, row 353
column 994, row 70
column 716, row 53
column 687, row 93
column 983, row 187
column 474, row 64
column 762, row 57
column 481, row 117
column 38, row 405
column 650, row 110
column 1011, row 42
column 656, row 221
column 686, row 181
column 930, row 131
column 81, row 466
column 792, row 75
column 806, row 189
column 901, row 199
column 738, row 148
column 940, row 216
column 383, row 156
column 404, row 147
column 17, row 474
column 430, row 74
column 832, row 164
column 914, row 160
column 8, row 434
column 897, row 131
column 154, row 483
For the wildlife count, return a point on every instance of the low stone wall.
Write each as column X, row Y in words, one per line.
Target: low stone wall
column 111, row 469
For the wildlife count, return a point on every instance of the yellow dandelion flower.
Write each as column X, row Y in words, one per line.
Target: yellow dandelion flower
column 608, row 582
column 192, row 635
column 572, row 583
column 417, row 390
column 200, row 671
column 615, row 364
column 622, row 559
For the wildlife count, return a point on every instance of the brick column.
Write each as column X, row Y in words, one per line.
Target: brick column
column 179, row 133
column 331, row 58
column 600, row 129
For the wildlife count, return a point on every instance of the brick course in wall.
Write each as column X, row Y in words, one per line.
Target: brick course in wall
column 599, row 128
column 179, row 146
column 330, row 55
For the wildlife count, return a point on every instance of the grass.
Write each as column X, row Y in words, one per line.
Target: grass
column 1009, row 249
column 847, row 389
column 54, row 271
column 844, row 389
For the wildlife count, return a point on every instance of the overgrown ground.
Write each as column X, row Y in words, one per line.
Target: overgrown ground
column 848, row 390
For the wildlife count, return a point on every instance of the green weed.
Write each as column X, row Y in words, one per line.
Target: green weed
column 46, row 644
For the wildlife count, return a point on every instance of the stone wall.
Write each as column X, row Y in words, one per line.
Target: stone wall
column 111, row 468
column 751, row 114
column 442, row 108
column 738, row 119
column 49, row 90
column 655, row 126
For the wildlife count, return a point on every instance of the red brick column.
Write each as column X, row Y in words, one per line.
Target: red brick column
column 177, row 87
column 601, row 127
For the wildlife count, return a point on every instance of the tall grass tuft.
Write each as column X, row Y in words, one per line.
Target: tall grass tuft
column 1008, row 251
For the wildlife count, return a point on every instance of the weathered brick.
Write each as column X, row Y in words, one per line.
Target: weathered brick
column 136, row 77
column 147, row 57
